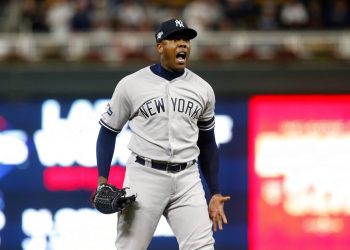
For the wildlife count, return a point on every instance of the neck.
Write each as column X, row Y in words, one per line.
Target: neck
column 158, row 69
column 170, row 69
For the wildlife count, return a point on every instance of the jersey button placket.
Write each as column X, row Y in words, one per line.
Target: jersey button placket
column 170, row 119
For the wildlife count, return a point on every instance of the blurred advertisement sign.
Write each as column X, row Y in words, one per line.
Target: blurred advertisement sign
column 48, row 172
column 299, row 167
column 66, row 144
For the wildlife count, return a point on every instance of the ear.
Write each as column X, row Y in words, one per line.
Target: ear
column 160, row 48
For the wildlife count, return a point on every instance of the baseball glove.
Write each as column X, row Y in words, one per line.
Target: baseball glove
column 108, row 199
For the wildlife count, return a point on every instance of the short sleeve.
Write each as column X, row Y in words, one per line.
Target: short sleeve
column 207, row 120
column 118, row 109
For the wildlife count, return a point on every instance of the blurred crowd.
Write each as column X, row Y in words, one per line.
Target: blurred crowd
column 59, row 16
column 67, row 24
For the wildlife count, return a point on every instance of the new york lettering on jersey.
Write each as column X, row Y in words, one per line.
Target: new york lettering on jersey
column 157, row 105
column 152, row 107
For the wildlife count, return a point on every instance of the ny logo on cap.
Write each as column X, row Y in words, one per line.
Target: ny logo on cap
column 159, row 36
column 179, row 23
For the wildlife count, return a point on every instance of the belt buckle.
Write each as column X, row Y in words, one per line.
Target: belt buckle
column 169, row 165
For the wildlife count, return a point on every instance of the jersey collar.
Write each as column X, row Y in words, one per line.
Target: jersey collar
column 168, row 75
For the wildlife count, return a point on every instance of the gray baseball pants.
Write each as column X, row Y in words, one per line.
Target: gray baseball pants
column 177, row 196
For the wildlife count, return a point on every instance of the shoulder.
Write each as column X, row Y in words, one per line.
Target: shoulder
column 136, row 76
column 196, row 80
column 126, row 86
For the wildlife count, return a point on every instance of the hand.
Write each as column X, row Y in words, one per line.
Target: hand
column 102, row 180
column 108, row 199
column 216, row 210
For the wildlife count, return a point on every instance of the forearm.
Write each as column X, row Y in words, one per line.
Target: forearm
column 209, row 159
column 105, row 146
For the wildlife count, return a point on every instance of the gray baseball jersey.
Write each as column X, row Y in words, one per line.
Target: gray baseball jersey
column 157, row 109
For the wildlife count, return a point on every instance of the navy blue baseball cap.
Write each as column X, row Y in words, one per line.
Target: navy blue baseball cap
column 172, row 27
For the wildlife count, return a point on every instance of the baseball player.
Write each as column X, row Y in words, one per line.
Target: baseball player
column 170, row 111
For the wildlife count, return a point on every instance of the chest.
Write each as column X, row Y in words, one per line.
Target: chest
column 166, row 98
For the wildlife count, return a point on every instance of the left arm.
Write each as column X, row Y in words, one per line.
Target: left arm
column 209, row 162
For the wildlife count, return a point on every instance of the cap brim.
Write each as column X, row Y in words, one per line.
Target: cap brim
column 186, row 33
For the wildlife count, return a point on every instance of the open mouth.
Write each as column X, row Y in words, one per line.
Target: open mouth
column 181, row 56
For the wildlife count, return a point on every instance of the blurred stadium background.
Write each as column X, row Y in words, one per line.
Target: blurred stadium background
column 280, row 70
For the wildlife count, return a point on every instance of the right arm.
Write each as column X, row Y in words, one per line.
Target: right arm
column 105, row 146
column 112, row 121
column 108, row 199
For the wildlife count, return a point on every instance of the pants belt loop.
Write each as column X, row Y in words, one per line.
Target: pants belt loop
column 148, row 162
column 190, row 163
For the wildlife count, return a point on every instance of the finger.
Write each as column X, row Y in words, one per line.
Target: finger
column 226, row 198
column 224, row 219
column 219, row 220
column 214, row 224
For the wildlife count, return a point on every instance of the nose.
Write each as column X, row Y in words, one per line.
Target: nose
column 182, row 43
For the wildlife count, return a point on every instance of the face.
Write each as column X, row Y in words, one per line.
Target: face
column 174, row 52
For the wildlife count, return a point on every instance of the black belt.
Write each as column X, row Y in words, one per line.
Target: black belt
column 166, row 166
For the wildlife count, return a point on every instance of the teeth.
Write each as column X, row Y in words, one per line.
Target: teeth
column 180, row 59
column 181, row 54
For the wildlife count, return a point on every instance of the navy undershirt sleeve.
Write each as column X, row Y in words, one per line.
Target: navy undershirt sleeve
column 209, row 159
column 104, row 150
